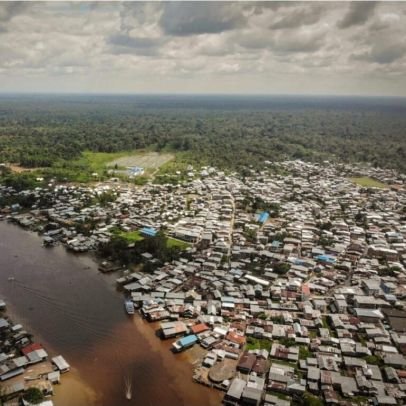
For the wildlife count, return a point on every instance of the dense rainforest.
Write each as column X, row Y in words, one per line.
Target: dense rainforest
column 225, row 131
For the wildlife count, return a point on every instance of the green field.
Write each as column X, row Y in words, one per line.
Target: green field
column 365, row 181
column 82, row 169
column 258, row 343
column 135, row 236
column 97, row 161
column 173, row 243
column 145, row 159
column 131, row 236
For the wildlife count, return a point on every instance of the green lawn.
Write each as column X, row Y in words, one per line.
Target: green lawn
column 131, row 236
column 97, row 161
column 100, row 162
column 135, row 236
column 173, row 243
column 257, row 343
column 365, row 181
column 304, row 352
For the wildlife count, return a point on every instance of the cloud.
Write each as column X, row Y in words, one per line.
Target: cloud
column 383, row 52
column 203, row 46
column 122, row 43
column 298, row 41
column 305, row 16
column 9, row 9
column 358, row 14
column 190, row 18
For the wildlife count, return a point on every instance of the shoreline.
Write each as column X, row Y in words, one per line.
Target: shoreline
column 124, row 334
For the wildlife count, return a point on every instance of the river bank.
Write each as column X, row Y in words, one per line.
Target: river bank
column 75, row 310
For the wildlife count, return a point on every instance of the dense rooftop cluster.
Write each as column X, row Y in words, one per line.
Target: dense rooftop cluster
column 292, row 285
column 26, row 373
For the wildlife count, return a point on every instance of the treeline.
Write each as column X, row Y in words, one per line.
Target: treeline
column 118, row 249
column 226, row 132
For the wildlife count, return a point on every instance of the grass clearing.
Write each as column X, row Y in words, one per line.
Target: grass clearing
column 366, row 181
column 146, row 160
column 131, row 236
column 81, row 169
column 258, row 343
column 174, row 243
column 98, row 161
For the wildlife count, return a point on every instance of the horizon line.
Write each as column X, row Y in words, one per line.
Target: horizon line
column 211, row 94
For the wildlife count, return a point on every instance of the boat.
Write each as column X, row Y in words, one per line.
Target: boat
column 61, row 364
column 184, row 343
column 128, row 388
column 129, row 307
column 48, row 242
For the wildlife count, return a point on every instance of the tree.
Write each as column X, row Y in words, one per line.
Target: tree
column 311, row 400
column 33, row 395
column 281, row 268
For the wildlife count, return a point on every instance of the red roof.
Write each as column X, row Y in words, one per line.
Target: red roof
column 235, row 338
column 401, row 373
column 199, row 328
column 32, row 347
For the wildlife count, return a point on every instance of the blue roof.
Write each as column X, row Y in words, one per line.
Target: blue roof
column 326, row 258
column 262, row 217
column 151, row 232
column 191, row 339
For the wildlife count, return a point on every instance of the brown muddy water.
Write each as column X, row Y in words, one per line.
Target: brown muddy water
column 76, row 311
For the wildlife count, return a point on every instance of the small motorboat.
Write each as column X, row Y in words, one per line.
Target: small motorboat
column 129, row 307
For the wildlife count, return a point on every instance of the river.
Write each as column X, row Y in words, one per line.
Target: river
column 75, row 311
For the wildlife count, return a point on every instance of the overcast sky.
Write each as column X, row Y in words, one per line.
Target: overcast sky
column 204, row 47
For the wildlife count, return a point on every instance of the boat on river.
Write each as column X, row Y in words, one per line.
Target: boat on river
column 129, row 306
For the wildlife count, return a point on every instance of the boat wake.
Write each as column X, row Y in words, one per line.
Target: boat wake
column 128, row 387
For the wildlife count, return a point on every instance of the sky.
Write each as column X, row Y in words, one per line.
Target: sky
column 335, row 48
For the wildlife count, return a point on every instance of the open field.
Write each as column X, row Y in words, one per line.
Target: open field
column 98, row 161
column 147, row 160
column 365, row 181
column 135, row 236
column 19, row 169
column 173, row 242
column 131, row 236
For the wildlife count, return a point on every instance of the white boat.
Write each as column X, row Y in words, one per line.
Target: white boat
column 129, row 307
column 61, row 364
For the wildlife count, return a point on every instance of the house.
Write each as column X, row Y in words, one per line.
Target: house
column 246, row 362
column 234, row 392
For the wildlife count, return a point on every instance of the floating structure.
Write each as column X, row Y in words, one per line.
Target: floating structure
column 129, row 307
column 48, row 242
column 61, row 364
column 184, row 343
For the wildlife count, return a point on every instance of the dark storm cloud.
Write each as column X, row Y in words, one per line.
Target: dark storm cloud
column 191, row 18
column 358, row 14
